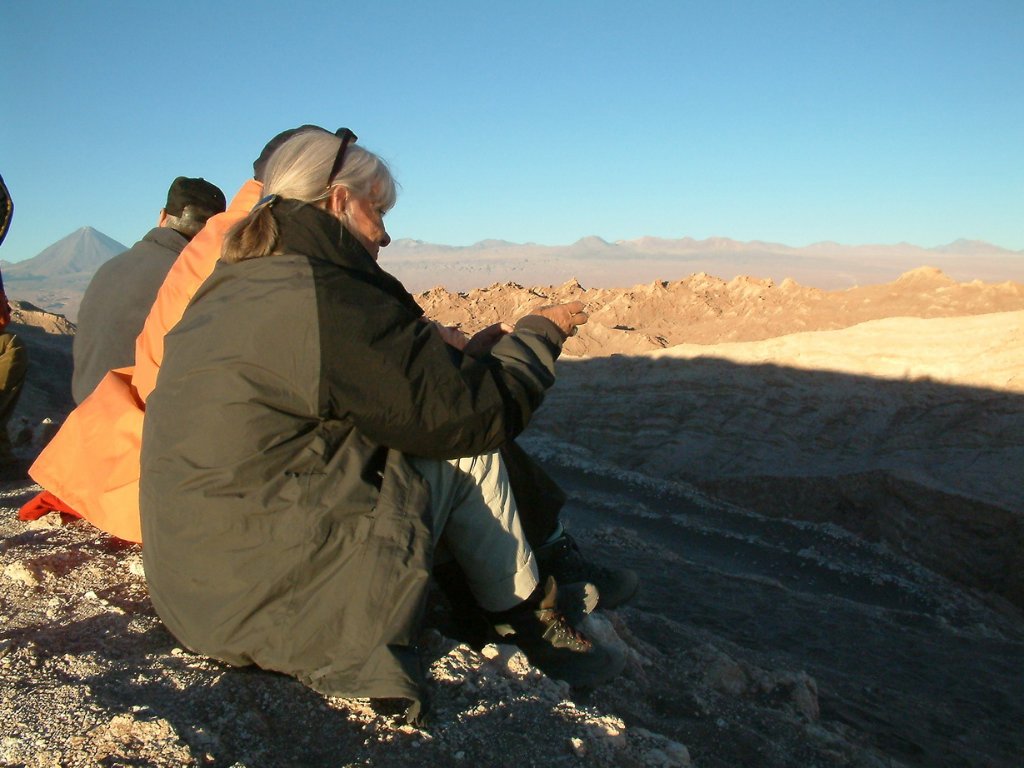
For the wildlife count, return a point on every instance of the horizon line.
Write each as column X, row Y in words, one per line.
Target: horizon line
column 620, row 241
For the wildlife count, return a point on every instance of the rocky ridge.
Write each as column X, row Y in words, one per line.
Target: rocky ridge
column 703, row 309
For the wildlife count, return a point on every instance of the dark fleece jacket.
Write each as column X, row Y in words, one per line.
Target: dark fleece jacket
column 284, row 524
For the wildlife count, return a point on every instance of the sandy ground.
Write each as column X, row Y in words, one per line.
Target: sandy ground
column 829, row 553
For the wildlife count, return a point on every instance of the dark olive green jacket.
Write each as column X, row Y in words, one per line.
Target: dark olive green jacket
column 284, row 524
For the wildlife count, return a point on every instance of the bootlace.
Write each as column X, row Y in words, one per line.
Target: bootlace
column 561, row 633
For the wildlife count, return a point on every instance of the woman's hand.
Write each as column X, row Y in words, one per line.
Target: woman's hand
column 482, row 341
column 452, row 336
column 568, row 317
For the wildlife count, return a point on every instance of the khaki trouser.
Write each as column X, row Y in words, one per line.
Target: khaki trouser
column 13, row 364
column 476, row 523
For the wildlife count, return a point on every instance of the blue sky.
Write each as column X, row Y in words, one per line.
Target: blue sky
column 795, row 122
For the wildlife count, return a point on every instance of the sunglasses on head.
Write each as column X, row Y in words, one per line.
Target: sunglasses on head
column 347, row 137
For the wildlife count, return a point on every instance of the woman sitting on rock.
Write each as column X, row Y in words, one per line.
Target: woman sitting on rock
column 313, row 448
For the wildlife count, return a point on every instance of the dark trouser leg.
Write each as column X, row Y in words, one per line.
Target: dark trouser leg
column 538, row 496
column 13, row 364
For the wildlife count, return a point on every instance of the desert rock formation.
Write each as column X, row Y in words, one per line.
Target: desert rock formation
column 707, row 310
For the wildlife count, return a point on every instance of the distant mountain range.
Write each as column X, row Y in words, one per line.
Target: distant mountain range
column 56, row 278
column 597, row 263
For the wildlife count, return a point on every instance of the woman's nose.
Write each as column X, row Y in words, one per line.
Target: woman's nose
column 385, row 241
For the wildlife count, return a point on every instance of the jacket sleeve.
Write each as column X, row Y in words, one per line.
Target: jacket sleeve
column 404, row 388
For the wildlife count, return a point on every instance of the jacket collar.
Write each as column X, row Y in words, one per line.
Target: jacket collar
column 312, row 232
column 166, row 237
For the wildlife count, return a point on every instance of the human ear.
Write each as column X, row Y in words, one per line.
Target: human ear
column 337, row 199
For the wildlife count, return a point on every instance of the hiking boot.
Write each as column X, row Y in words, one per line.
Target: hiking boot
column 562, row 559
column 554, row 644
column 467, row 623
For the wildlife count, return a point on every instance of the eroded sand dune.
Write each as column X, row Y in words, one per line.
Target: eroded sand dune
column 906, row 430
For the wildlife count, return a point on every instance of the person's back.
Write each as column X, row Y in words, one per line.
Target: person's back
column 123, row 290
column 115, row 307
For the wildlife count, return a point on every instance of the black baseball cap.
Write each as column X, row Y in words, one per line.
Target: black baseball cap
column 199, row 193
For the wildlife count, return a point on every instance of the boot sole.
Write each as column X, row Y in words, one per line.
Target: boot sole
column 622, row 595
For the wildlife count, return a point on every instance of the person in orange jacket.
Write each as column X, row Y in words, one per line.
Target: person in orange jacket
column 91, row 466
column 90, row 469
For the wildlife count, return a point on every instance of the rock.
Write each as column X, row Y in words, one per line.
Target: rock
column 18, row 571
column 804, row 696
column 578, row 747
column 726, row 675
column 49, row 520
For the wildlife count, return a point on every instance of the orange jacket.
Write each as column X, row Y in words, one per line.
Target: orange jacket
column 92, row 463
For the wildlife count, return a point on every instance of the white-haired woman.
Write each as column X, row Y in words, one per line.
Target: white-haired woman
column 312, row 447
